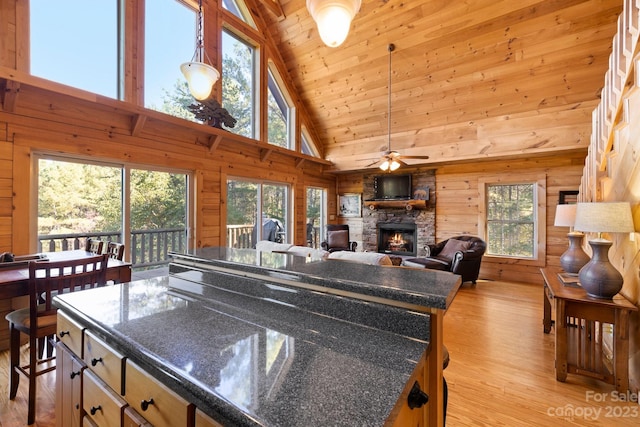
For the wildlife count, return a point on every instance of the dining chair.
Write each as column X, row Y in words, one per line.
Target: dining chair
column 94, row 245
column 38, row 321
column 115, row 250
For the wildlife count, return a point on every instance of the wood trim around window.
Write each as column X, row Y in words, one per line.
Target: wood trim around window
column 540, row 185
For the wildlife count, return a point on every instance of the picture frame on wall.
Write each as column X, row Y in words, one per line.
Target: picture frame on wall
column 568, row 197
column 350, row 205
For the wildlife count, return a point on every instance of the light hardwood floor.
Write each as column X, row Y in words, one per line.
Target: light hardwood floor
column 501, row 371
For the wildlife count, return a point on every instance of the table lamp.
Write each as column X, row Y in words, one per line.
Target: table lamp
column 574, row 258
column 599, row 277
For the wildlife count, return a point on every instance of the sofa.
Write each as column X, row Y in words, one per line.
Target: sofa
column 370, row 258
column 460, row 255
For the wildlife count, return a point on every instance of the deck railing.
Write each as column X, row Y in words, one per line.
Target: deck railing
column 148, row 247
column 151, row 247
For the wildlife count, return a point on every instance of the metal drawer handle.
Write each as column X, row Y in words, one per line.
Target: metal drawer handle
column 74, row 374
column 417, row 397
column 145, row 404
column 63, row 333
column 95, row 409
column 95, row 361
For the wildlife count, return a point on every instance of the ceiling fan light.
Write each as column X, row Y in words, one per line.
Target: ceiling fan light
column 333, row 18
column 201, row 77
column 385, row 165
column 394, row 165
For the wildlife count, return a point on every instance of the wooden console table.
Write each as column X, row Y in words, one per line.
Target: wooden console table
column 580, row 321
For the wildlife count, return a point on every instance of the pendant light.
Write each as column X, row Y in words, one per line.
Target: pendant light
column 333, row 18
column 200, row 76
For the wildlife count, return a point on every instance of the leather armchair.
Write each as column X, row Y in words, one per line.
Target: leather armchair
column 337, row 239
column 463, row 256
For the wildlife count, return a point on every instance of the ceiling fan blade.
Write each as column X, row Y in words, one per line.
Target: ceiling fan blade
column 415, row 157
column 371, row 164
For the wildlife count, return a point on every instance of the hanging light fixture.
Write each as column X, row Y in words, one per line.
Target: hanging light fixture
column 333, row 18
column 200, row 76
column 390, row 162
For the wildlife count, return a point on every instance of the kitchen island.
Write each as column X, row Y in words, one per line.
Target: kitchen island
column 250, row 339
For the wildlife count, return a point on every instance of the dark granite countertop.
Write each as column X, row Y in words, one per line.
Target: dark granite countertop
column 410, row 286
column 250, row 351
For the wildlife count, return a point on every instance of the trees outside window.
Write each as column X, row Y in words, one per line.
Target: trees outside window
column 77, row 199
column 249, row 200
column 511, row 220
column 512, row 217
column 238, row 83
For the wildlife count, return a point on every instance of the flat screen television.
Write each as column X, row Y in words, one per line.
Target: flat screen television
column 392, row 187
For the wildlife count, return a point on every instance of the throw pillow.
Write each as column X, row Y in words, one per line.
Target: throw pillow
column 338, row 239
column 452, row 246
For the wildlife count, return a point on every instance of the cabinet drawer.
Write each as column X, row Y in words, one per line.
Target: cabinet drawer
column 133, row 419
column 88, row 422
column 104, row 361
column 154, row 401
column 101, row 404
column 203, row 420
column 70, row 333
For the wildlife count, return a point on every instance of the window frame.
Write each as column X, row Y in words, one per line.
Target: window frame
column 540, row 224
column 273, row 75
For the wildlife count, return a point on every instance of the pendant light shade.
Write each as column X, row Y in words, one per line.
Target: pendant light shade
column 200, row 76
column 333, row 18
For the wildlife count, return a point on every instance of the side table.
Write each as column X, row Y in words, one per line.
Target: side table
column 580, row 321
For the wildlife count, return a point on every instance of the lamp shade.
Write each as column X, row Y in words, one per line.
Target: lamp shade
column 599, row 277
column 565, row 215
column 611, row 217
column 333, row 18
column 201, row 77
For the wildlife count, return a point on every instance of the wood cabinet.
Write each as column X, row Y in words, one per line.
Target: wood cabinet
column 154, row 401
column 203, row 420
column 68, row 387
column 92, row 390
column 101, row 403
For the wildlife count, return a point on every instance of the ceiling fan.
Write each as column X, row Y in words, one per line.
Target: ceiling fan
column 391, row 159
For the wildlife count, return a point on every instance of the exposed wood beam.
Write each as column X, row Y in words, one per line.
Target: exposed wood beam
column 274, row 6
column 138, row 123
column 265, row 153
column 10, row 91
column 214, row 141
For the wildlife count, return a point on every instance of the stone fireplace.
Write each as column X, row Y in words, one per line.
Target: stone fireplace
column 397, row 238
column 419, row 222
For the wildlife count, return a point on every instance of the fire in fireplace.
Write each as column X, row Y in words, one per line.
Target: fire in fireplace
column 397, row 238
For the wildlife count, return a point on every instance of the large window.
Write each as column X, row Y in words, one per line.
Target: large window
column 165, row 88
column 238, row 83
column 75, row 42
column 513, row 217
column 316, row 215
column 279, row 114
column 146, row 209
column 253, row 202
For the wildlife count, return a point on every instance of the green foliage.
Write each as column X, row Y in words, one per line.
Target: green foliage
column 83, row 198
column 511, row 220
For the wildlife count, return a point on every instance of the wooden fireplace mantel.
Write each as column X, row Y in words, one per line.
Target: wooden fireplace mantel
column 397, row 204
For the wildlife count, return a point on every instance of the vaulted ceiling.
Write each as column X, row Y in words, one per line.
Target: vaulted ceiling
column 474, row 79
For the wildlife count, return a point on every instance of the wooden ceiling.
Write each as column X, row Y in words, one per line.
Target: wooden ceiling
column 474, row 79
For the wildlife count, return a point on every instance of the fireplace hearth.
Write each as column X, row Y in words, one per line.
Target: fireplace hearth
column 397, row 238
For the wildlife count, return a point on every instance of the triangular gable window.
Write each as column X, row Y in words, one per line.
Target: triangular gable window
column 239, row 9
